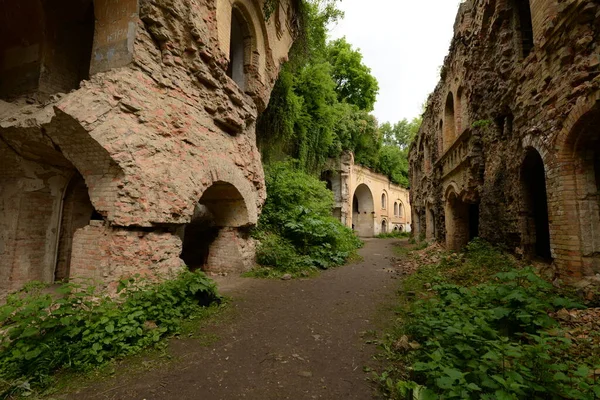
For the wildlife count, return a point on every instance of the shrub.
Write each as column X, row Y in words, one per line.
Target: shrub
column 394, row 235
column 296, row 228
column 79, row 328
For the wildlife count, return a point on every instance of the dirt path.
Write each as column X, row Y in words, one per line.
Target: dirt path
column 299, row 339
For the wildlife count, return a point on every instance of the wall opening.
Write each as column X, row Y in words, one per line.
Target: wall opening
column 449, row 125
column 239, row 48
column 395, row 209
column 462, row 222
column 363, row 211
column 77, row 212
column 537, row 231
column 383, row 201
column 581, row 171
column 209, row 238
column 384, row 226
column 525, row 26
column 400, row 210
column 45, row 47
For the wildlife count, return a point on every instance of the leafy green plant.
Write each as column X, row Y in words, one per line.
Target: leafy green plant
column 484, row 337
column 296, row 230
column 78, row 328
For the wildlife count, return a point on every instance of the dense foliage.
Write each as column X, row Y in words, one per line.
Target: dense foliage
column 78, row 328
column 296, row 229
column 320, row 105
column 483, row 331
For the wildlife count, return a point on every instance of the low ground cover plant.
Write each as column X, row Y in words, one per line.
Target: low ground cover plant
column 477, row 326
column 78, row 328
column 296, row 231
column 394, row 235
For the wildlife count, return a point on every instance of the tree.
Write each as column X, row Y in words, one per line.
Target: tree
column 353, row 79
column 402, row 133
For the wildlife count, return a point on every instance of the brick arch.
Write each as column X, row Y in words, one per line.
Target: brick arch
column 226, row 173
column 575, row 180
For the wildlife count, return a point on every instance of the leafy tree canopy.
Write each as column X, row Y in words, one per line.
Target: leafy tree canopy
column 353, row 80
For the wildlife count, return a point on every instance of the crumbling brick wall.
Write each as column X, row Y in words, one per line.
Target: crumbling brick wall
column 157, row 124
column 512, row 101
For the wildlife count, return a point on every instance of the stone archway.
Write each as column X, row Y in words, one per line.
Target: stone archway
column 579, row 171
column 216, row 239
column 363, row 209
column 461, row 220
column 536, row 224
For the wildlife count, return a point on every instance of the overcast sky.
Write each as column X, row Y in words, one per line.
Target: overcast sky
column 403, row 42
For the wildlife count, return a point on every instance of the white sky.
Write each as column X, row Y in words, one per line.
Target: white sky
column 404, row 42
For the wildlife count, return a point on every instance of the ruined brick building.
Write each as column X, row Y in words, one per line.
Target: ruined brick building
column 509, row 149
column 127, row 134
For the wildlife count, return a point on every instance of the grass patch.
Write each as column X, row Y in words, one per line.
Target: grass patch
column 479, row 326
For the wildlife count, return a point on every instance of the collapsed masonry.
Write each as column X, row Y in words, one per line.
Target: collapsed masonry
column 127, row 134
column 509, row 149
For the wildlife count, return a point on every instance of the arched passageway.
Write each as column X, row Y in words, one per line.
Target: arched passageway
column 580, row 171
column 363, row 210
column 462, row 222
column 77, row 212
column 536, row 232
column 212, row 239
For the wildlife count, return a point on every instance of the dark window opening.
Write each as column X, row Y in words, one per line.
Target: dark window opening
column 449, row 122
column 45, row 46
column 536, row 201
column 597, row 171
column 237, row 51
column 473, row 221
column 525, row 26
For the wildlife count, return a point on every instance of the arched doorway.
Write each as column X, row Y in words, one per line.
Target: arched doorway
column 213, row 238
column 430, row 228
column 580, row 172
column 77, row 212
column 462, row 222
column 363, row 211
column 384, row 228
column 536, row 232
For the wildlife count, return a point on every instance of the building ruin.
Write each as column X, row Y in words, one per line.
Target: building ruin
column 127, row 134
column 509, row 149
column 366, row 201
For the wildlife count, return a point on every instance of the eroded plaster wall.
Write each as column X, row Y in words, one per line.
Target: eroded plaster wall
column 157, row 124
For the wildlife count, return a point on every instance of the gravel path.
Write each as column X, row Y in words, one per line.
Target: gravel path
column 298, row 339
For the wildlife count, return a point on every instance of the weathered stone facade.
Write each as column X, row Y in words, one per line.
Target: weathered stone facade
column 510, row 148
column 366, row 201
column 123, row 122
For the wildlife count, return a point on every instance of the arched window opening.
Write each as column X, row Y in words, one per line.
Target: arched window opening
column 239, row 48
column 45, row 47
column 77, row 212
column 449, row 122
column 400, row 210
column 209, row 240
column 536, row 237
column 395, row 209
column 383, row 201
column 525, row 26
column 363, row 211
